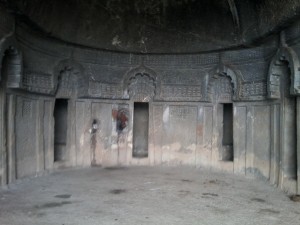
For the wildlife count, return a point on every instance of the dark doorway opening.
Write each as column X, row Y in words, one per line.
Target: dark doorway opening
column 60, row 129
column 227, row 141
column 140, row 130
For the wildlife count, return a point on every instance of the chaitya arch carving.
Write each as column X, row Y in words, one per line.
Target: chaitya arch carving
column 69, row 79
column 10, row 50
column 285, row 54
column 222, row 85
column 140, row 84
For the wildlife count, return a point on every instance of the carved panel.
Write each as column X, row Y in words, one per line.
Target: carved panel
column 66, row 84
column 70, row 79
column 223, row 89
column 186, row 77
column 104, row 90
column 27, row 109
column 274, row 79
column 220, row 89
column 182, row 61
column 182, row 112
column 14, row 68
column 291, row 56
column 181, row 86
column 254, row 90
column 38, row 82
column 180, row 92
column 223, row 84
column 205, row 59
column 141, row 87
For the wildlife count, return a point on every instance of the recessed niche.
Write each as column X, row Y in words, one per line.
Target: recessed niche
column 60, row 129
column 227, row 140
column 140, row 130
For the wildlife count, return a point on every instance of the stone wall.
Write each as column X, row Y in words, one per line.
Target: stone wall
column 187, row 96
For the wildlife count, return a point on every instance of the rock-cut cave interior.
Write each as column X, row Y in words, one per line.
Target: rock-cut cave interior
column 149, row 112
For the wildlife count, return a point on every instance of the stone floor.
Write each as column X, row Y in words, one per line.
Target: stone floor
column 144, row 195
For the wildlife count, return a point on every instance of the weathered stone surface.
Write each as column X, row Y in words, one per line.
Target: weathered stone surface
column 234, row 109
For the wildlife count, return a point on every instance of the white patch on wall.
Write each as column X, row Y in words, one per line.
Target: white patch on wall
column 116, row 41
column 166, row 115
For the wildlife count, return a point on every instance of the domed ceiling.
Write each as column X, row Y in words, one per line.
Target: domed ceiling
column 156, row 26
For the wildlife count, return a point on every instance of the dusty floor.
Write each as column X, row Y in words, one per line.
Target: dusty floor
column 143, row 195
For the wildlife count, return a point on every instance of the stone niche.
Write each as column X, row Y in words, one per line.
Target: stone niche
column 65, row 106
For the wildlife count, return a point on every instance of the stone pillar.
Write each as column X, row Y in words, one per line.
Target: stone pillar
column 298, row 144
column 11, row 144
column 2, row 138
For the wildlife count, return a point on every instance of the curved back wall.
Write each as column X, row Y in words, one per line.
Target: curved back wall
column 187, row 99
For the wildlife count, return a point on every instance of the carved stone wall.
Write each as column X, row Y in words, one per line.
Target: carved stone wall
column 182, row 78
column 69, row 80
column 184, row 94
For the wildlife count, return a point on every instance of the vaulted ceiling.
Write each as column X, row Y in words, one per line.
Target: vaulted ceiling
column 156, row 26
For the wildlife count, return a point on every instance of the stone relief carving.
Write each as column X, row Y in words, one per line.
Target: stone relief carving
column 26, row 108
column 14, row 68
column 182, row 112
column 222, row 85
column 104, row 90
column 141, row 84
column 274, row 77
column 181, row 77
column 38, row 82
column 289, row 55
column 181, row 85
column 254, row 90
column 141, row 87
column 222, row 89
column 66, row 83
column 69, row 80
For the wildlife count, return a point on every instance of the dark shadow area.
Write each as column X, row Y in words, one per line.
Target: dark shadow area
column 140, row 130
column 227, row 141
column 60, row 129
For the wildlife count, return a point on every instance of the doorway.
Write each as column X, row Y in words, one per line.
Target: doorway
column 60, row 129
column 140, row 130
column 227, row 140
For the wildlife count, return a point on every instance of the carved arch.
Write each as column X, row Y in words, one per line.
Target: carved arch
column 222, row 71
column 285, row 54
column 140, row 84
column 291, row 56
column 69, row 79
column 10, row 48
